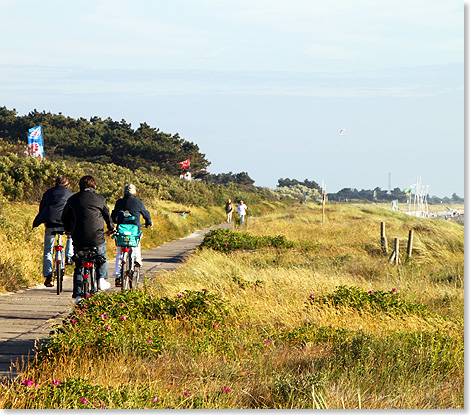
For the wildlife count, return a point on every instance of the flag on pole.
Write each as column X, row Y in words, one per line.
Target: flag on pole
column 184, row 164
column 35, row 144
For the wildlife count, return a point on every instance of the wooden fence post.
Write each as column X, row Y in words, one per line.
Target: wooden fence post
column 397, row 247
column 409, row 248
column 383, row 238
column 395, row 254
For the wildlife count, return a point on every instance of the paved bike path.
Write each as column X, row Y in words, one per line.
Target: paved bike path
column 26, row 316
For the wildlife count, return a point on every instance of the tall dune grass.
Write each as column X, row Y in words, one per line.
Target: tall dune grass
column 259, row 328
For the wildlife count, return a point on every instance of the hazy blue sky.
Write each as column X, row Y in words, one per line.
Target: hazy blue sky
column 262, row 86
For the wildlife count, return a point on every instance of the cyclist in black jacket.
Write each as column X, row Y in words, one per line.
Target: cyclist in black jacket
column 50, row 212
column 84, row 215
column 127, row 211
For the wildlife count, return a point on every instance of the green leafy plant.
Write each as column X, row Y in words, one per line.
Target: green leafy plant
column 226, row 240
column 369, row 300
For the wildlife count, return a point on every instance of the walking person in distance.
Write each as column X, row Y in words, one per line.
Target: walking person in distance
column 241, row 210
column 50, row 213
column 229, row 210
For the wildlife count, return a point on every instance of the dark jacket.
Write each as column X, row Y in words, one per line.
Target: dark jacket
column 83, row 216
column 128, row 210
column 51, row 207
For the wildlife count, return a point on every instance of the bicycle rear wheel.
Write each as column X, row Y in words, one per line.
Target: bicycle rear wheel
column 126, row 276
column 85, row 288
column 136, row 277
column 93, row 281
column 59, row 274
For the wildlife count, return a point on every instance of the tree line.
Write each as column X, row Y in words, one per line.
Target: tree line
column 104, row 141
column 354, row 195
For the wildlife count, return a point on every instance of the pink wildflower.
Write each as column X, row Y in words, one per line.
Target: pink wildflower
column 155, row 399
column 149, row 340
column 331, row 326
column 123, row 318
column 225, row 243
column 27, row 382
column 215, row 325
column 225, row 389
column 107, row 327
column 56, row 382
column 266, row 342
column 122, row 304
column 204, row 290
column 84, row 400
column 151, row 297
column 186, row 394
column 394, row 289
column 74, row 320
column 180, row 295
column 80, row 313
column 371, row 292
column 88, row 296
column 311, row 295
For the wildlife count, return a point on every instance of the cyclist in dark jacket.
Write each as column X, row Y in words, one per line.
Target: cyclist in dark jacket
column 83, row 216
column 127, row 211
column 50, row 212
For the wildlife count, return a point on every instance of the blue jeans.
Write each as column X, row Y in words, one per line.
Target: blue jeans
column 101, row 272
column 49, row 241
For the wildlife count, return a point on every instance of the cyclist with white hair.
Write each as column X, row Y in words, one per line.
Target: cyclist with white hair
column 128, row 211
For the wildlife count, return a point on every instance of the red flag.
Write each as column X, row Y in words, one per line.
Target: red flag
column 184, row 164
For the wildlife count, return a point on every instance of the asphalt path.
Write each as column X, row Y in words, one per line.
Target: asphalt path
column 26, row 317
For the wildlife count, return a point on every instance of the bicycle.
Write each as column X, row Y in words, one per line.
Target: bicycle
column 127, row 238
column 58, row 268
column 88, row 260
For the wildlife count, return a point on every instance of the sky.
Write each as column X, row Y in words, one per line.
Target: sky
column 261, row 86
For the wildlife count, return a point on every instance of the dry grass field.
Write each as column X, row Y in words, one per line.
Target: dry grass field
column 324, row 322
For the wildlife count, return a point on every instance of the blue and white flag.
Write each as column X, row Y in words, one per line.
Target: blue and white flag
column 395, row 205
column 35, row 144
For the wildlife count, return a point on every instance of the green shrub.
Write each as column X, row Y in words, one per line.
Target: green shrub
column 372, row 301
column 226, row 240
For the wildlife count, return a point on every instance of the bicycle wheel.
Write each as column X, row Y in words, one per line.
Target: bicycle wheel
column 59, row 276
column 85, row 287
column 93, row 282
column 136, row 277
column 125, row 273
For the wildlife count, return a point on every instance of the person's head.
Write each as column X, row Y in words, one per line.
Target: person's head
column 87, row 182
column 229, row 201
column 129, row 189
column 241, row 202
column 61, row 181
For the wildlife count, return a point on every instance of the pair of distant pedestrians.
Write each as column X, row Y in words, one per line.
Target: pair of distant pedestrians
column 241, row 211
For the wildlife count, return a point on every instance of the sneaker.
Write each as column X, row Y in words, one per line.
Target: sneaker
column 48, row 281
column 104, row 285
column 77, row 300
column 137, row 264
column 118, row 282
